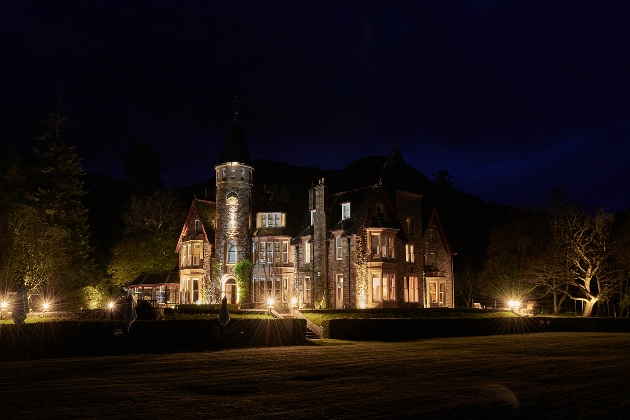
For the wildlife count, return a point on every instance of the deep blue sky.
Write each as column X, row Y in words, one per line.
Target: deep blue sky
column 513, row 98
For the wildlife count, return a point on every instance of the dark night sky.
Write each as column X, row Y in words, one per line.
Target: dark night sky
column 513, row 98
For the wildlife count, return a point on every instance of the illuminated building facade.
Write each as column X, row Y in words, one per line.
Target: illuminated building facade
column 369, row 247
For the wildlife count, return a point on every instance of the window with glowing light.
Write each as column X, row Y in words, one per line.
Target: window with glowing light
column 409, row 253
column 345, row 211
column 376, row 287
column 231, row 199
column 433, row 291
column 339, row 247
column 307, row 290
column 442, row 292
column 307, row 252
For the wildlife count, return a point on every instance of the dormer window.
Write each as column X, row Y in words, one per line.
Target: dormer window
column 271, row 220
column 345, row 211
column 196, row 226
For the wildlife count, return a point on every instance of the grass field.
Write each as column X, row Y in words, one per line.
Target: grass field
column 548, row 375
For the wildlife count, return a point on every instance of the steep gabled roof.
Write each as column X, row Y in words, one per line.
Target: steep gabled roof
column 434, row 216
column 235, row 148
column 207, row 213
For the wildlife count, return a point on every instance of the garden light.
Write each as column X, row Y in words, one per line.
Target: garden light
column 293, row 301
column 270, row 301
column 4, row 305
column 110, row 305
column 46, row 306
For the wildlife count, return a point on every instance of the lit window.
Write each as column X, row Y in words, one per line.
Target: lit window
column 339, row 247
column 269, row 252
column 376, row 287
column 376, row 245
column 433, row 291
column 285, row 252
column 263, row 252
column 276, row 252
column 345, row 211
column 196, row 226
column 442, row 290
column 231, row 198
column 232, row 173
column 307, row 252
column 196, row 253
column 409, row 253
column 339, row 289
column 312, row 217
column 231, row 252
column 307, row 290
column 276, row 220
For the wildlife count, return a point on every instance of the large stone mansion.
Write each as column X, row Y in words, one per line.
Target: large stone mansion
column 369, row 247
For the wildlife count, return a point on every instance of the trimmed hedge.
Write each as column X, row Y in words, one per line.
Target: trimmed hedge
column 74, row 338
column 394, row 329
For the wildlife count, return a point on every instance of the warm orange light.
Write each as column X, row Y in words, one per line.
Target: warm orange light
column 270, row 301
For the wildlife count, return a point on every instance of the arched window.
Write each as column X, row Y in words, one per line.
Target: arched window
column 232, row 199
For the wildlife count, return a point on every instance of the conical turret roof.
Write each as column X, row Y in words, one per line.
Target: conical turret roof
column 235, row 148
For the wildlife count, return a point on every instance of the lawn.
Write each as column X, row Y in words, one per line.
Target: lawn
column 550, row 375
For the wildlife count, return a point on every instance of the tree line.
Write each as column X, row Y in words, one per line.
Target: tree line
column 558, row 253
column 45, row 227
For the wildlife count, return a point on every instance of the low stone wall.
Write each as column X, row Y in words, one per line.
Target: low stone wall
column 74, row 339
column 389, row 329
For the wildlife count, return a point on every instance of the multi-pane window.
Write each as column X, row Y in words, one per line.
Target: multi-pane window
column 411, row 289
column 271, row 220
column 390, row 246
column 231, row 252
column 345, row 211
column 376, row 245
column 276, row 252
column 307, row 290
column 263, row 252
column 409, row 253
column 433, row 291
column 388, row 287
column 269, row 252
column 339, row 247
column 307, row 252
column 376, row 287
column 196, row 253
column 285, row 252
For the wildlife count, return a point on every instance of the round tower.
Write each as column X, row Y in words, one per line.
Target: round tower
column 234, row 180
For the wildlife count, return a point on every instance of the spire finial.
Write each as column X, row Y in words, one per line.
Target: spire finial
column 236, row 102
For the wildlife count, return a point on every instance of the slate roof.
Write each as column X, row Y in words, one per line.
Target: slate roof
column 235, row 148
column 150, row 279
column 207, row 212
